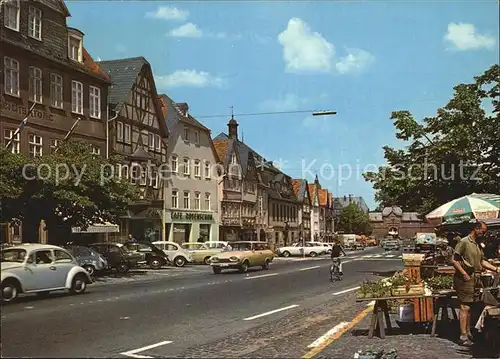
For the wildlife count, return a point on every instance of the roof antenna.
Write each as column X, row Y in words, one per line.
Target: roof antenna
column 232, row 112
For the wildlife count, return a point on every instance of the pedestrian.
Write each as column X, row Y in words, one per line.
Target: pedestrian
column 469, row 261
column 131, row 238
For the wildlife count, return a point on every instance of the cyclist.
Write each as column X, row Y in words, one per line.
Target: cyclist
column 335, row 255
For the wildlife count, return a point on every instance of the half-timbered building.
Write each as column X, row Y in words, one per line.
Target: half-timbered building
column 137, row 131
column 301, row 189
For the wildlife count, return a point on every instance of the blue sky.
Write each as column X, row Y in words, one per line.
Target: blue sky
column 363, row 60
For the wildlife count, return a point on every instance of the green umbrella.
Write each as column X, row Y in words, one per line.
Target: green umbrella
column 464, row 209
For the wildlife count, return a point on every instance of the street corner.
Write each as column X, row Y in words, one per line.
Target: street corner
column 403, row 341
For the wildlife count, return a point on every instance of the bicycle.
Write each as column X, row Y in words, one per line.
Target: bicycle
column 335, row 274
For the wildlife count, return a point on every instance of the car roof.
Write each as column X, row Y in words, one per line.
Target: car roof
column 259, row 242
column 33, row 246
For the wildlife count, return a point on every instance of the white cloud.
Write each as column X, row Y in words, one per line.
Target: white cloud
column 307, row 51
column 168, row 13
column 355, row 60
column 186, row 30
column 189, row 78
column 288, row 102
column 464, row 37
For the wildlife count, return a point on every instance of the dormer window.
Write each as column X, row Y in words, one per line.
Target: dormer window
column 75, row 44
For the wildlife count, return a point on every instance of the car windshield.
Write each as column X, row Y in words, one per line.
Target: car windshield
column 241, row 246
column 13, row 255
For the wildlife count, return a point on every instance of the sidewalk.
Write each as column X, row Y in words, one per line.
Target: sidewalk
column 409, row 344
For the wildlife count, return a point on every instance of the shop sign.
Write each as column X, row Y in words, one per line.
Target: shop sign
column 190, row 216
column 23, row 111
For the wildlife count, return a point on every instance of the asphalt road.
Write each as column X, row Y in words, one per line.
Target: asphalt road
column 188, row 315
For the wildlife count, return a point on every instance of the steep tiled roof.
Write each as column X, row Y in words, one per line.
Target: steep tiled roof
column 123, row 73
column 297, row 186
column 171, row 121
column 163, row 103
column 92, row 66
column 221, row 149
column 323, row 197
column 312, row 190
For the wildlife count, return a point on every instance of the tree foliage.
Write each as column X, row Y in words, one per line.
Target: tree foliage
column 353, row 220
column 452, row 154
column 68, row 188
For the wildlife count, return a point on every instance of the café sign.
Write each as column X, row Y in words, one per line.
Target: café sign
column 15, row 109
column 190, row 216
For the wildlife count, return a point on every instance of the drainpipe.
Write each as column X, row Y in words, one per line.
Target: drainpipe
column 108, row 120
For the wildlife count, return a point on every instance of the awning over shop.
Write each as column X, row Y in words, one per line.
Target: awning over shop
column 98, row 228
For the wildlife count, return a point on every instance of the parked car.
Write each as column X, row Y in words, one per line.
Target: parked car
column 392, row 245
column 154, row 257
column 298, row 249
column 40, row 268
column 117, row 256
column 244, row 254
column 200, row 252
column 217, row 244
column 92, row 261
column 175, row 252
column 327, row 246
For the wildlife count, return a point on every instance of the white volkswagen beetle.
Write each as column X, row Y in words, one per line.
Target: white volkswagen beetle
column 40, row 268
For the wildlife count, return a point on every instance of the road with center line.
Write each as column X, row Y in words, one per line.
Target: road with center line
column 195, row 315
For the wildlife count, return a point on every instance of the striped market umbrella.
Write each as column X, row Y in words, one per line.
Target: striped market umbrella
column 479, row 206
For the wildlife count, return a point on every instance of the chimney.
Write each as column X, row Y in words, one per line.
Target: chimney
column 183, row 108
column 232, row 128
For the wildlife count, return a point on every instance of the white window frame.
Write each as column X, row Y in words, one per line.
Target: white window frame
column 80, row 45
column 186, row 134
column 174, row 162
column 11, row 76
column 127, row 133
column 151, row 141
column 96, row 150
column 144, row 177
column 175, row 198
column 94, row 102
column 54, row 143
column 196, row 137
column 197, row 168
column 11, row 9
column 119, row 131
column 186, row 164
column 35, row 23
column 56, row 91
column 186, row 199
column 35, row 84
column 16, row 141
column 197, row 200
column 77, row 97
column 158, row 142
column 35, row 145
column 208, row 202
column 153, row 179
column 234, row 159
column 207, row 170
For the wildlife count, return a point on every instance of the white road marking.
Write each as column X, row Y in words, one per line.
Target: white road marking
column 262, row 276
column 327, row 335
column 346, row 291
column 308, row 268
column 391, row 255
column 271, row 312
column 28, row 307
column 133, row 353
column 124, row 318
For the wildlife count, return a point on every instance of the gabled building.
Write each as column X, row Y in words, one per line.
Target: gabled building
column 301, row 189
column 394, row 221
column 191, row 191
column 138, row 132
column 46, row 68
column 238, row 216
column 313, row 190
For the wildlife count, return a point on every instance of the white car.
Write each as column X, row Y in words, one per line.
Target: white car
column 217, row 244
column 177, row 255
column 298, row 249
column 327, row 246
column 40, row 268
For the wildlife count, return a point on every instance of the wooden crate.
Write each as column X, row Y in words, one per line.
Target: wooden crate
column 423, row 309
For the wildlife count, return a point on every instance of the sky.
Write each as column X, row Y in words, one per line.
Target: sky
column 361, row 59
